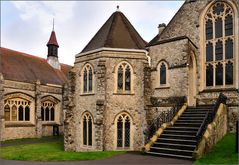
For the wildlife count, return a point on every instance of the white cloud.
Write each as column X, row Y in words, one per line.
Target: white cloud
column 76, row 22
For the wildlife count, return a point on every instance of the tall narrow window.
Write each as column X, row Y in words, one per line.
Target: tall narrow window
column 219, row 74
column 20, row 113
column 7, row 113
column 27, row 113
column 124, row 77
column 87, row 79
column 52, row 114
column 229, row 73
column 219, row 45
column 87, row 129
column 163, row 74
column 127, row 78
column 209, row 52
column 42, row 113
column 209, row 75
column 229, row 25
column 120, row 78
column 47, row 114
column 14, row 113
column 123, row 122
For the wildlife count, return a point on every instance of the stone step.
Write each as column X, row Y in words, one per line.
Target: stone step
column 172, row 151
column 193, row 115
column 195, row 112
column 179, row 124
column 189, row 121
column 177, row 141
column 180, row 132
column 191, row 118
column 177, row 128
column 174, row 146
column 170, row 155
column 175, row 136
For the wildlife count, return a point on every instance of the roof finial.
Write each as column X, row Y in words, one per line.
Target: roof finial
column 117, row 8
column 53, row 25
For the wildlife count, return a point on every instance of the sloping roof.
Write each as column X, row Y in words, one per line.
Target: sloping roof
column 153, row 41
column 23, row 67
column 117, row 32
column 52, row 40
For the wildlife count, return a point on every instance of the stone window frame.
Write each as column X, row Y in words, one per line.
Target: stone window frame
column 124, row 115
column 125, row 64
column 50, row 102
column 17, row 102
column 203, row 42
column 167, row 85
column 19, row 99
column 87, row 68
column 87, row 114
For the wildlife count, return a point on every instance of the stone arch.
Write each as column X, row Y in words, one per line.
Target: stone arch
column 50, row 98
column 19, row 95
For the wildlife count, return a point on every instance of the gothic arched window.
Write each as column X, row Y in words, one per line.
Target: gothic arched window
column 17, row 109
column 219, row 41
column 87, row 129
column 123, row 123
column 87, row 79
column 124, row 77
column 163, row 73
column 48, row 111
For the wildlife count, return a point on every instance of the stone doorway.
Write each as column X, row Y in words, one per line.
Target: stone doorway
column 192, row 80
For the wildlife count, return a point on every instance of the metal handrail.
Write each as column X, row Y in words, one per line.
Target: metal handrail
column 163, row 118
column 210, row 116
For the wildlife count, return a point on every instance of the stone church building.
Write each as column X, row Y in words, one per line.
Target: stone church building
column 31, row 93
column 120, row 85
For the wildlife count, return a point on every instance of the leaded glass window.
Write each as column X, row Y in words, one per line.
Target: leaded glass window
column 52, row 114
column 163, row 73
column 27, row 113
column 124, row 77
column 120, row 78
column 219, row 45
column 87, row 79
column 87, row 129
column 7, row 113
column 16, row 109
column 123, row 130
column 48, row 111
column 229, row 73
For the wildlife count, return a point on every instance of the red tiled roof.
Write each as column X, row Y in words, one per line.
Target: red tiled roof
column 52, row 40
column 23, row 67
column 117, row 32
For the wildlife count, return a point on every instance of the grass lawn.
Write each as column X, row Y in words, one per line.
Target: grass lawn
column 223, row 153
column 50, row 151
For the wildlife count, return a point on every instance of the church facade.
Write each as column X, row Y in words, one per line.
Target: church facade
column 31, row 93
column 120, row 83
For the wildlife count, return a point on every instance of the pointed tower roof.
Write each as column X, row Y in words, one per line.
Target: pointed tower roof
column 117, row 32
column 52, row 40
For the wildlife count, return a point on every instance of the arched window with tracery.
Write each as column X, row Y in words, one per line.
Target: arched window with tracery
column 48, row 111
column 87, row 79
column 219, row 43
column 123, row 123
column 87, row 129
column 163, row 73
column 124, row 77
column 17, row 109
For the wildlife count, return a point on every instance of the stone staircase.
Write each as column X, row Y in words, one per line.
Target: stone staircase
column 179, row 141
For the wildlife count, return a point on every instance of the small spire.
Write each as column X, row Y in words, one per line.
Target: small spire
column 117, row 8
column 53, row 25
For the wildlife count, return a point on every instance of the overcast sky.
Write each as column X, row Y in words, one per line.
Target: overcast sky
column 26, row 25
